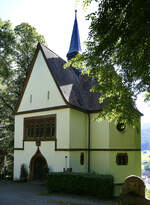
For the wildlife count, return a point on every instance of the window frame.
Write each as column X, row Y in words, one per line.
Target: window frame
column 122, row 159
column 38, row 121
column 121, row 127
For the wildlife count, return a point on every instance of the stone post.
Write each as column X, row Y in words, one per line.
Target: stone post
column 133, row 192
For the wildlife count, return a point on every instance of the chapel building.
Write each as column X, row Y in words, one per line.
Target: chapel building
column 56, row 127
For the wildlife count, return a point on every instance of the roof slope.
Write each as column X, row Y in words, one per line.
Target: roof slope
column 74, row 89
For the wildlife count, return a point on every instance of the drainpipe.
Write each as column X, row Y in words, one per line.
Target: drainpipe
column 89, row 142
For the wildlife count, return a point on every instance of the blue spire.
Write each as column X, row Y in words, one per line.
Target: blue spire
column 75, row 46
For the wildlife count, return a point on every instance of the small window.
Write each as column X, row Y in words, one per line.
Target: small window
column 47, row 130
column 37, row 131
column 41, row 130
column 28, row 131
column 32, row 130
column 48, row 95
column 122, row 159
column 82, row 158
column 121, row 127
column 30, row 98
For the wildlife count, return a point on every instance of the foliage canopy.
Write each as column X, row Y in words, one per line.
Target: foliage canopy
column 118, row 56
column 16, row 51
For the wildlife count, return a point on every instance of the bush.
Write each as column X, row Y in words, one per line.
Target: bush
column 78, row 183
column 23, row 173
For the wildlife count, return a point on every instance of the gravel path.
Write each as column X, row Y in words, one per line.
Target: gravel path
column 35, row 194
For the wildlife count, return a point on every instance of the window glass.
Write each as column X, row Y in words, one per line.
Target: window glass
column 121, row 127
column 122, row 159
column 39, row 127
column 82, row 158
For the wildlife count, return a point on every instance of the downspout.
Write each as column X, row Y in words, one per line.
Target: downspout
column 89, row 142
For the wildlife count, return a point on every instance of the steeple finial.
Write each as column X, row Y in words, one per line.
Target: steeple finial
column 75, row 46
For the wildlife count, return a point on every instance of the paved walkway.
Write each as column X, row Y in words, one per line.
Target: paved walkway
column 35, row 194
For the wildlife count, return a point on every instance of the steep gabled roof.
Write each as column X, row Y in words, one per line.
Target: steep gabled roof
column 74, row 89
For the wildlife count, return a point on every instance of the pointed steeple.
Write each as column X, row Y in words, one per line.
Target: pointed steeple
column 75, row 46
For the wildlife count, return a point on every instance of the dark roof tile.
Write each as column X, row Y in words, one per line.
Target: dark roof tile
column 74, row 89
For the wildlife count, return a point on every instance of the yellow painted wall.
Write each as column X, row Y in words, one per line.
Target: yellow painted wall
column 78, row 139
column 99, row 132
column 100, row 162
column 78, row 129
column 120, row 172
column 129, row 138
column 105, row 135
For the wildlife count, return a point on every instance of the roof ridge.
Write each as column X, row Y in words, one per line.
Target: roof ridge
column 41, row 45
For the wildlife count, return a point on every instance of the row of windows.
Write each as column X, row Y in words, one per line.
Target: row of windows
column 48, row 96
column 45, row 128
column 40, row 128
column 121, row 159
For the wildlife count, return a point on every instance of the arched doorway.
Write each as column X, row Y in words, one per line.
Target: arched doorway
column 38, row 167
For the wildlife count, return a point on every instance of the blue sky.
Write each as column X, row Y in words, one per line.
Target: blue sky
column 54, row 19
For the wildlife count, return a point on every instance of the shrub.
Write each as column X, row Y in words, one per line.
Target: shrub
column 23, row 173
column 78, row 183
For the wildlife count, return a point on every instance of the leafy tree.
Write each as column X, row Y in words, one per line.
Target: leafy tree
column 118, row 56
column 16, row 51
column 7, row 42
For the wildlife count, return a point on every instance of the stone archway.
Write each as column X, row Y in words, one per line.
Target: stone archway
column 38, row 166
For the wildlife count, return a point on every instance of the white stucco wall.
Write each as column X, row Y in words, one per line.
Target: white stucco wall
column 23, row 157
column 54, row 158
column 75, row 161
column 62, row 127
column 18, row 136
column 72, row 132
column 39, row 84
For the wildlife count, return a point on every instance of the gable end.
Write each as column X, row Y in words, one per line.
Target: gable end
column 39, row 48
